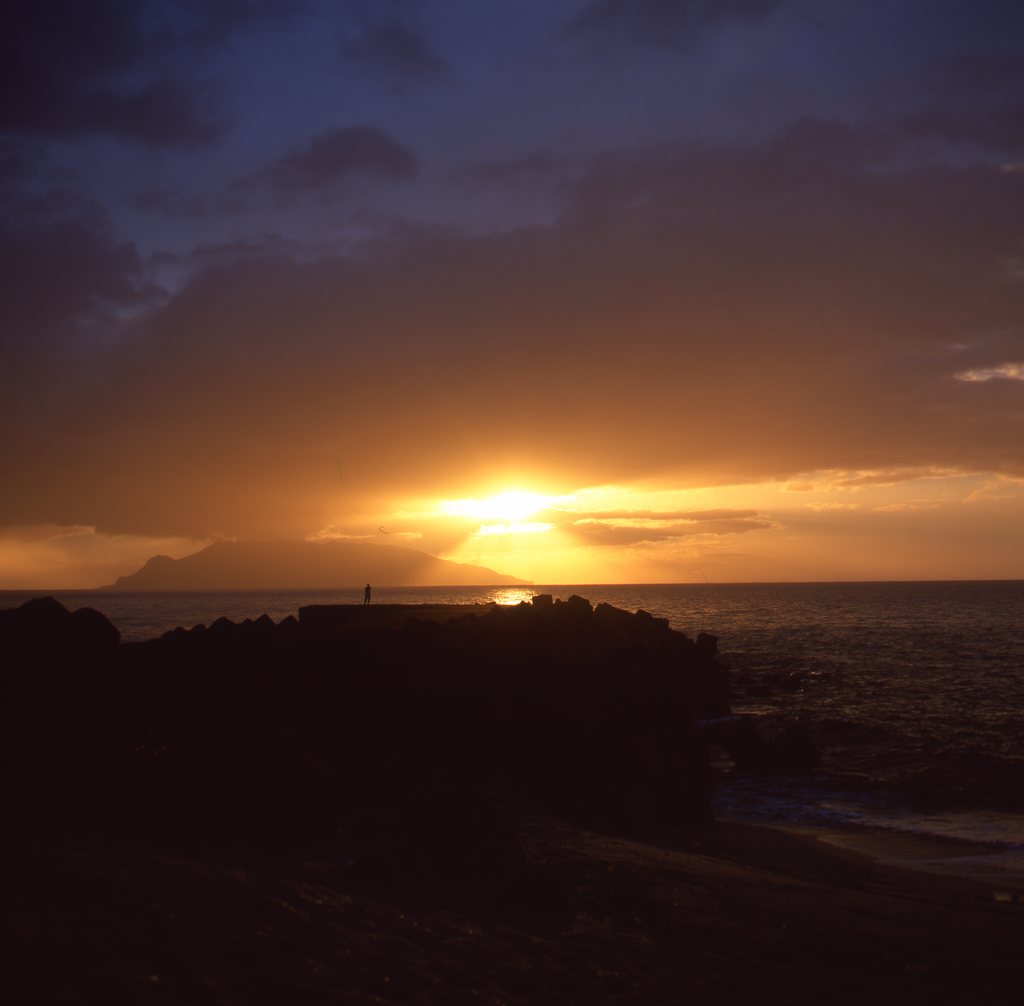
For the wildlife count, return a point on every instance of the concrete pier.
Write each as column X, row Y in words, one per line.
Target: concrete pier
column 323, row 621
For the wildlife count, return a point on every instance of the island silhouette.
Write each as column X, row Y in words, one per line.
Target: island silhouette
column 285, row 565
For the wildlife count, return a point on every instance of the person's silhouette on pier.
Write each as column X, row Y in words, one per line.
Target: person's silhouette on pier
column 366, row 595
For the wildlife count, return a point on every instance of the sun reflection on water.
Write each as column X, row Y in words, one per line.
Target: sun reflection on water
column 513, row 595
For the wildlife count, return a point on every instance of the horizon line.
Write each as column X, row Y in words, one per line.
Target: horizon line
column 109, row 588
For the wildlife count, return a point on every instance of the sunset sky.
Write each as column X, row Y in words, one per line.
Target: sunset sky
column 581, row 290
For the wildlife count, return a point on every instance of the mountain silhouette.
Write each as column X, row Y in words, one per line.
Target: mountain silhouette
column 283, row 565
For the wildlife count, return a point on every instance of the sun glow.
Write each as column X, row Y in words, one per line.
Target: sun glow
column 530, row 527
column 509, row 508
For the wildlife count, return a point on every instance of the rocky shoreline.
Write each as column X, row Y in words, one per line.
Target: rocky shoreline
column 522, row 782
column 561, row 705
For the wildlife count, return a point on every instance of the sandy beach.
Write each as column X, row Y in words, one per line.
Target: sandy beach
column 722, row 916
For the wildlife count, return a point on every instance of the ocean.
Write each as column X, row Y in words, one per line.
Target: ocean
column 914, row 692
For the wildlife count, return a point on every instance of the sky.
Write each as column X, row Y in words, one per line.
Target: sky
column 582, row 290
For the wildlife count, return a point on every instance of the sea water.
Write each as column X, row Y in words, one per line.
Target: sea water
column 914, row 692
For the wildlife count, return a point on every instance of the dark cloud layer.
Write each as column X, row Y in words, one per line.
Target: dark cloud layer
column 982, row 73
column 996, row 126
column 634, row 527
column 69, row 69
column 618, row 535
column 539, row 168
column 331, row 155
column 62, row 273
column 120, row 68
column 675, row 24
column 663, row 516
column 733, row 313
column 394, row 51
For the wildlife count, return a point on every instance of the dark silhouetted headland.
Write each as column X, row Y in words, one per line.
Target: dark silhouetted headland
column 286, row 565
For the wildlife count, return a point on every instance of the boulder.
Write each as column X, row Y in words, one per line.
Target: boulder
column 792, row 750
column 580, row 604
column 43, row 614
column 93, row 631
column 43, row 628
column 646, row 619
column 707, row 645
column 789, row 749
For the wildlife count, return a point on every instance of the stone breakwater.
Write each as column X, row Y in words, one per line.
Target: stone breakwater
column 586, row 711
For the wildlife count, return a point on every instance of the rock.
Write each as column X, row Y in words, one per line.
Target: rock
column 646, row 619
column 93, row 630
column 59, row 704
column 44, row 627
column 792, row 750
column 707, row 645
column 569, row 710
column 788, row 750
column 43, row 614
column 288, row 629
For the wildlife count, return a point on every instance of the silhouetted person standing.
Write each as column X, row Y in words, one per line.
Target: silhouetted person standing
column 366, row 595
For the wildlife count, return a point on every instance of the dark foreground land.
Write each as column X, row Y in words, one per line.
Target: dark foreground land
column 492, row 805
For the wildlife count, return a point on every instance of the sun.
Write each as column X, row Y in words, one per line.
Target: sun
column 510, row 506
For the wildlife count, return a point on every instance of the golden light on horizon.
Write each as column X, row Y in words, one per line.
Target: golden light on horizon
column 825, row 524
